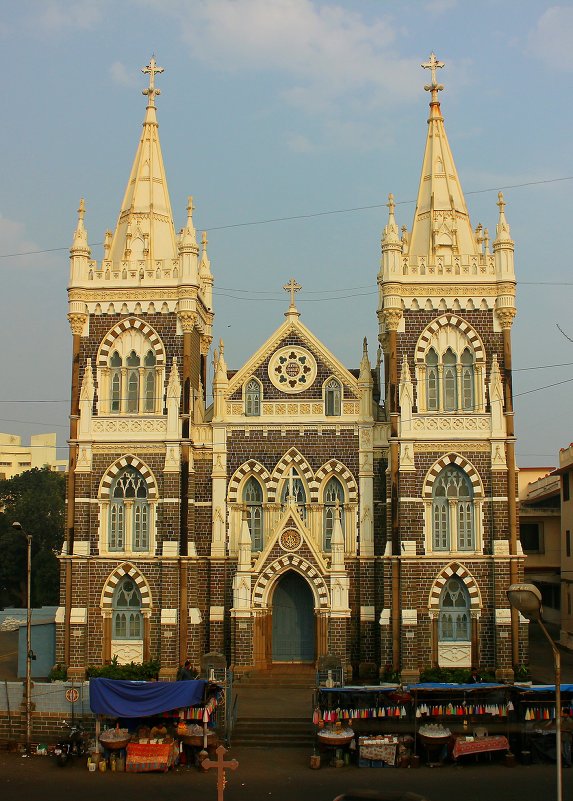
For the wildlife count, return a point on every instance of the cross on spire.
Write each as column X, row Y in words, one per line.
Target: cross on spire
column 292, row 287
column 433, row 64
column 152, row 70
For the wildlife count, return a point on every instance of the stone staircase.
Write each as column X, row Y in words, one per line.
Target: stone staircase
column 274, row 708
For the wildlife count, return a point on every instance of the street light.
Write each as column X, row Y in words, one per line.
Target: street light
column 29, row 654
column 526, row 598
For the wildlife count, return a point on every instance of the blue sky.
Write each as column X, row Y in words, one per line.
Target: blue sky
column 273, row 109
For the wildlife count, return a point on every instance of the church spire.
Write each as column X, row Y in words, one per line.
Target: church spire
column 441, row 220
column 145, row 229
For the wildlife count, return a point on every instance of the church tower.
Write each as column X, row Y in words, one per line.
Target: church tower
column 446, row 307
column 141, row 322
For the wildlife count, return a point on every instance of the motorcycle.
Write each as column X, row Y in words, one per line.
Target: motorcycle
column 72, row 745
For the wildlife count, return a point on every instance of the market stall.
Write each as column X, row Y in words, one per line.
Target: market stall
column 537, row 712
column 457, row 720
column 153, row 721
column 370, row 722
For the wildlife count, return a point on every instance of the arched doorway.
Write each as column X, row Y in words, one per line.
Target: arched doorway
column 293, row 620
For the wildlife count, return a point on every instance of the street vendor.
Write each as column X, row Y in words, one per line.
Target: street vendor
column 158, row 731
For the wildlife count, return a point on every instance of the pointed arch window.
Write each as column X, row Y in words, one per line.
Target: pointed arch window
column 115, row 383
column 133, row 362
column 293, row 486
column 453, row 511
column 253, row 500
column 253, row 398
column 468, row 401
column 332, row 398
column 450, row 381
column 129, row 513
column 149, row 381
column 333, row 497
column 454, row 618
column 127, row 617
column 432, row 381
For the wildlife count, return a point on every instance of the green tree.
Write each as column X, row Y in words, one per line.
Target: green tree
column 36, row 499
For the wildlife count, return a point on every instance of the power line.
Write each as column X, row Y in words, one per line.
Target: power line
column 311, row 215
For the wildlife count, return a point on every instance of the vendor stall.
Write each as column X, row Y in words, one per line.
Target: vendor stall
column 157, row 719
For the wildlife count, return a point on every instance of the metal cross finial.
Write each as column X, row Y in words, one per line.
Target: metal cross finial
column 292, row 287
column 433, row 64
column 220, row 764
column 152, row 69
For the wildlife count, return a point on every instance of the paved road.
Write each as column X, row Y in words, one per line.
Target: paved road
column 275, row 775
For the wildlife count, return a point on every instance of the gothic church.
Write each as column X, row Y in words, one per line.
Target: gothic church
column 311, row 509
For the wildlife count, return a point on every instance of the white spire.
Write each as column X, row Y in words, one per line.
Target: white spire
column 441, row 220
column 145, row 227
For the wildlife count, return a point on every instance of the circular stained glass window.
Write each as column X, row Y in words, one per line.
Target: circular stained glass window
column 292, row 369
column 290, row 540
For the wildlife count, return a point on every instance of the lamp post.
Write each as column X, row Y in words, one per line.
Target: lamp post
column 29, row 654
column 526, row 598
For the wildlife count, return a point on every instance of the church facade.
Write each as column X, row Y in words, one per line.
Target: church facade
column 311, row 509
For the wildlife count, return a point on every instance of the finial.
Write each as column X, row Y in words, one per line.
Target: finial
column 190, row 207
column 433, row 64
column 82, row 209
column 364, row 345
column 204, row 239
column 221, row 348
column 500, row 202
column 292, row 287
column 391, row 205
column 152, row 69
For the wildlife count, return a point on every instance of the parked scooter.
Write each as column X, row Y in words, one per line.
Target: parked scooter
column 72, row 745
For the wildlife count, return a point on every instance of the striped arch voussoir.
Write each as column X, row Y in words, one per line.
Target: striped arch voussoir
column 456, row 322
column 335, row 468
column 124, row 325
column 455, row 569
column 460, row 461
column 250, row 468
column 292, row 458
column 287, row 562
column 126, row 569
column 126, row 461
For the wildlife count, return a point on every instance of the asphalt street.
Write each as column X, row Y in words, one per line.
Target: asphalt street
column 276, row 775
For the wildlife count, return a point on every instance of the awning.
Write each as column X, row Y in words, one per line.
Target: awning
column 140, row 699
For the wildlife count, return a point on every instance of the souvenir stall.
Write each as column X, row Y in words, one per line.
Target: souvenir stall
column 152, row 721
column 459, row 720
column 536, row 712
column 371, row 723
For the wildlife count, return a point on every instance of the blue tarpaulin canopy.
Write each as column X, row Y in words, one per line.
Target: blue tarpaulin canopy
column 141, row 699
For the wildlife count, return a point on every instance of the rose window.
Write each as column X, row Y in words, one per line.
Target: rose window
column 292, row 369
column 290, row 540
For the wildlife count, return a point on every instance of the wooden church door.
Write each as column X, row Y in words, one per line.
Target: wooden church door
column 293, row 620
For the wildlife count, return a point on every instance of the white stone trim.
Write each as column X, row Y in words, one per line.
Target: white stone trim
column 78, row 615
column 216, row 613
column 384, row 617
column 409, row 617
column 195, row 617
column 169, row 617
column 367, row 614
column 503, row 617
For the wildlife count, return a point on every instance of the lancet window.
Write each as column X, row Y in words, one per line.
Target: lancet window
column 332, row 398
column 253, row 394
column 333, row 502
column 253, row 500
column 454, row 617
column 127, row 617
column 293, row 487
column 453, row 516
column 129, row 512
